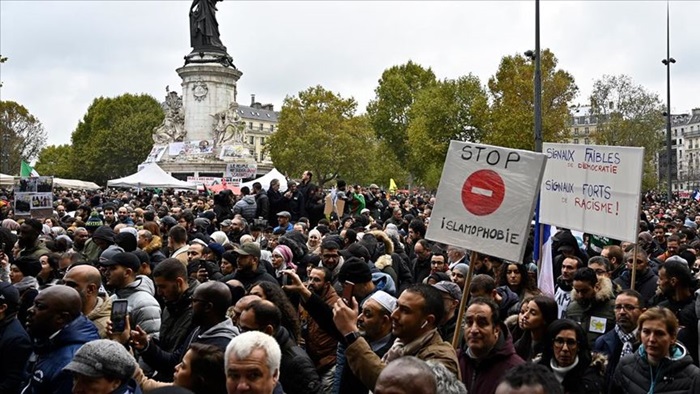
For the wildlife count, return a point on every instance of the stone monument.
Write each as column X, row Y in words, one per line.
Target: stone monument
column 202, row 131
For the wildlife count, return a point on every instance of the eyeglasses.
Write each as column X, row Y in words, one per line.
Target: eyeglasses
column 570, row 343
column 627, row 308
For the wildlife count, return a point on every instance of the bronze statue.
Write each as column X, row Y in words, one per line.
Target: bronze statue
column 204, row 29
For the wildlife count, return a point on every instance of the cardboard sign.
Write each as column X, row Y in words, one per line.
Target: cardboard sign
column 593, row 188
column 486, row 198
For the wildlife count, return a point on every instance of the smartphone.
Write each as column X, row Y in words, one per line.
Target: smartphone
column 348, row 288
column 118, row 316
column 285, row 279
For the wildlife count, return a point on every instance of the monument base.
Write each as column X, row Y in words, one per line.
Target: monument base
column 207, row 89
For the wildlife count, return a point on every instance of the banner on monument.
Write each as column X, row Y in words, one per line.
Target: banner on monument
column 202, row 181
column 190, row 148
column 486, row 199
column 241, row 170
column 593, row 188
column 156, row 153
column 234, row 152
column 34, row 197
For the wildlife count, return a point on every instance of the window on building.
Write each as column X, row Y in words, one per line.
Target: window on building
column 587, row 141
column 261, row 126
column 251, row 140
column 272, row 128
column 576, row 131
column 575, row 140
column 250, row 125
column 585, row 130
column 262, row 140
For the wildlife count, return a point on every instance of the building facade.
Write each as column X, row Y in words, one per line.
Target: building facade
column 685, row 140
column 261, row 122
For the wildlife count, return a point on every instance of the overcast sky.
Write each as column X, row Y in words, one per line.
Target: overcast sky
column 64, row 54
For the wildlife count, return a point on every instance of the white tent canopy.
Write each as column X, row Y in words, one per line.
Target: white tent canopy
column 75, row 184
column 151, row 176
column 265, row 180
column 6, row 180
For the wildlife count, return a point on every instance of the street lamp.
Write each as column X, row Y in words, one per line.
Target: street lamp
column 667, row 62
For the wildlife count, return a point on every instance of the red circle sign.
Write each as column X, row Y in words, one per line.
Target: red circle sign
column 483, row 192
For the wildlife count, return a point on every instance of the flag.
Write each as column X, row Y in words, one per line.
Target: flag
column 545, row 280
column 392, row 186
column 27, row 170
column 697, row 195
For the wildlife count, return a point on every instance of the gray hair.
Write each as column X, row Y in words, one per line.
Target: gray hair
column 243, row 345
column 447, row 382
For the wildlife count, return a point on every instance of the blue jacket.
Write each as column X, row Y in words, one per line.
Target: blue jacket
column 45, row 368
column 15, row 349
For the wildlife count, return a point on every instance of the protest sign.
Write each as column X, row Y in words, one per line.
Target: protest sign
column 593, row 188
column 241, row 170
column 34, row 197
column 486, row 199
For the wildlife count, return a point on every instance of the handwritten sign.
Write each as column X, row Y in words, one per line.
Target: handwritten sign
column 486, row 199
column 593, row 188
column 241, row 170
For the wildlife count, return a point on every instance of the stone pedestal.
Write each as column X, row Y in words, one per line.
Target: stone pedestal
column 207, row 88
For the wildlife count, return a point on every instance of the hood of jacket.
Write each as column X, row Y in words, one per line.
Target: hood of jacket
column 79, row 331
column 384, row 282
column 225, row 329
column 677, row 352
column 509, row 297
column 142, row 283
column 102, row 309
column 249, row 199
column 383, row 238
column 155, row 244
column 603, row 293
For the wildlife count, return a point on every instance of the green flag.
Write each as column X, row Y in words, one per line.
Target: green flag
column 27, row 170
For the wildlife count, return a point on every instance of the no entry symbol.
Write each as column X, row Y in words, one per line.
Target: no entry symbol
column 483, row 192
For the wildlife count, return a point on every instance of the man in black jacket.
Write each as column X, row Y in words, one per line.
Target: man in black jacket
column 14, row 341
column 297, row 372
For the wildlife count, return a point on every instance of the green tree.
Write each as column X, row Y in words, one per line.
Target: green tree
column 56, row 160
column 319, row 131
column 511, row 91
column 114, row 136
column 449, row 110
column 2, row 60
column 21, row 136
column 628, row 115
column 389, row 111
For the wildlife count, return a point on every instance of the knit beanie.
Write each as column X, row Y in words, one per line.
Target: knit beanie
column 29, row 266
column 93, row 222
column 103, row 358
column 355, row 270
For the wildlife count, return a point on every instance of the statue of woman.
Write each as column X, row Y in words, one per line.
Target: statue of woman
column 204, row 30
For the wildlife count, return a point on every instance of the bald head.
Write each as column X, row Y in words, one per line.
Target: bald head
column 215, row 292
column 406, row 375
column 84, row 274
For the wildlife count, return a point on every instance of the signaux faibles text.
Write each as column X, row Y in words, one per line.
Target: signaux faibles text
column 589, row 197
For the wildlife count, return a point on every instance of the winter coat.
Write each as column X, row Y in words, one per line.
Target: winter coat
column 143, row 308
column 176, row 320
column 262, row 203
column 248, row 279
column 367, row 366
column 482, row 376
column 297, row 372
column 45, row 367
column 645, row 283
column 677, row 374
column 610, row 345
column 320, row 345
column 421, row 269
column 601, row 309
column 153, row 250
column 15, row 349
column 509, row 299
column 219, row 336
column 246, row 207
column 101, row 314
column 583, row 378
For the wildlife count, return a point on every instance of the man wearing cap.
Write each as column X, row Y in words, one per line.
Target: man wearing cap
column 28, row 239
column 250, row 269
column 451, row 297
column 284, row 222
column 414, row 323
column 58, row 329
column 122, row 275
column 87, row 280
column 103, row 367
column 15, row 345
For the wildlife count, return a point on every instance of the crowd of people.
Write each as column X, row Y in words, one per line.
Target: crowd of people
column 263, row 292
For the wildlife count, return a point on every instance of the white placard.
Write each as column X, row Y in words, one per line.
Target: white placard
column 486, row 199
column 242, row 170
column 593, row 188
